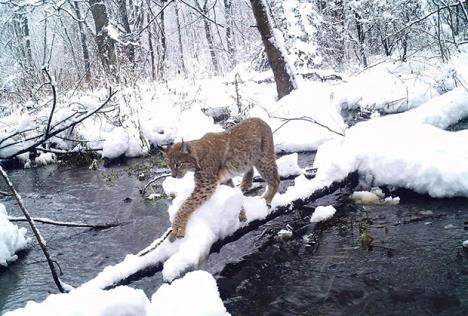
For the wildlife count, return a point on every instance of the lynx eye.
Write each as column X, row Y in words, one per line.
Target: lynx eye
column 177, row 165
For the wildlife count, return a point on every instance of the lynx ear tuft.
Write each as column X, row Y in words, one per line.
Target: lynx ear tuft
column 184, row 148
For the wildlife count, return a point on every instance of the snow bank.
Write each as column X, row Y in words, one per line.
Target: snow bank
column 322, row 213
column 291, row 118
column 12, row 239
column 121, row 301
column 393, row 86
column 404, row 151
column 195, row 294
column 288, row 166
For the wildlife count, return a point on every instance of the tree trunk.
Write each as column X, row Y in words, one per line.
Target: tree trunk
column 26, row 42
column 151, row 49
column 181, row 46
column 361, row 38
column 129, row 49
column 84, row 45
column 228, row 16
column 162, row 60
column 104, row 43
column 209, row 35
column 340, row 19
column 275, row 50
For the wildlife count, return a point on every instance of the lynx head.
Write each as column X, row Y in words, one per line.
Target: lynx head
column 180, row 159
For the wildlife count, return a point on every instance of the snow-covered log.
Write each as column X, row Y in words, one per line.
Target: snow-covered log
column 207, row 232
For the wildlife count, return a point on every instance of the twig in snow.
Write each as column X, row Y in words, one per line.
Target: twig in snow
column 36, row 232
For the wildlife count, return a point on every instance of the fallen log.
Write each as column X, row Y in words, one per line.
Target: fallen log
column 151, row 268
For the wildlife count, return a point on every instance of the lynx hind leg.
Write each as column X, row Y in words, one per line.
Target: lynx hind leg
column 269, row 172
column 247, row 179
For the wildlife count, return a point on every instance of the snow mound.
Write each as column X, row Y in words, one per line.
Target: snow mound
column 45, row 159
column 403, row 150
column 292, row 118
column 375, row 196
column 196, row 294
column 12, row 239
column 288, row 166
column 121, row 301
column 322, row 213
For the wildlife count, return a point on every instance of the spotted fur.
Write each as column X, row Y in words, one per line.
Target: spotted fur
column 216, row 158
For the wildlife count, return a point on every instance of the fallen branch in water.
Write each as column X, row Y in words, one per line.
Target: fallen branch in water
column 66, row 224
column 149, row 261
column 5, row 193
column 164, row 175
column 36, row 232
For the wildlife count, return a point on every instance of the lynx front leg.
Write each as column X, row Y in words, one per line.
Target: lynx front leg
column 202, row 192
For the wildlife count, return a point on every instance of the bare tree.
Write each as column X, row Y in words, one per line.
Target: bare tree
column 275, row 50
column 179, row 37
column 129, row 48
column 83, row 41
column 104, row 42
column 229, row 18
column 209, row 36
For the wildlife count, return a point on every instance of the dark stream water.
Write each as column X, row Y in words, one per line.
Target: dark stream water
column 415, row 264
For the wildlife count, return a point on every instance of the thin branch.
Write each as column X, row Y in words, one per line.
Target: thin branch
column 165, row 175
column 54, row 101
column 52, row 133
column 302, row 118
column 410, row 24
column 154, row 18
column 44, row 220
column 36, row 232
column 200, row 12
column 464, row 9
column 16, row 133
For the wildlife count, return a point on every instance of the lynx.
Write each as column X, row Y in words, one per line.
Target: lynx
column 216, row 158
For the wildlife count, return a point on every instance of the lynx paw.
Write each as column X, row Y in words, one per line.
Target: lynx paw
column 242, row 216
column 178, row 231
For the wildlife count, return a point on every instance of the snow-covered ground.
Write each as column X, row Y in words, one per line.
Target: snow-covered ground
column 12, row 238
column 410, row 150
column 157, row 114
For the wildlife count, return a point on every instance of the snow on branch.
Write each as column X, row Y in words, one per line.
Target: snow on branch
column 35, row 141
